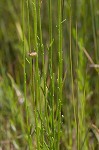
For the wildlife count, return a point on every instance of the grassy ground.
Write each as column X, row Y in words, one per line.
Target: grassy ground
column 49, row 75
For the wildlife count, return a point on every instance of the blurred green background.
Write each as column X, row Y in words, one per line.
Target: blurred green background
column 85, row 48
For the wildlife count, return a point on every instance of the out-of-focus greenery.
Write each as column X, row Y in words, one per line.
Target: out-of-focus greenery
column 80, row 86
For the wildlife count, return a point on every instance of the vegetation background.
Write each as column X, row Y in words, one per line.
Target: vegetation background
column 49, row 101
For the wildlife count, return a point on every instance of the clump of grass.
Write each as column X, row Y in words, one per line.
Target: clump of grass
column 55, row 52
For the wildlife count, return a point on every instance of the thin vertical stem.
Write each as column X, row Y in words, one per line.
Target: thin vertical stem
column 59, row 69
column 50, row 33
column 31, row 83
column 53, row 130
column 93, row 27
column 24, row 57
column 37, row 73
column 50, row 62
column 77, row 118
column 28, row 25
column 44, row 76
column 71, row 70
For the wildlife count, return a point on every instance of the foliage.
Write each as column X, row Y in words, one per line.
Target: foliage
column 49, row 101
